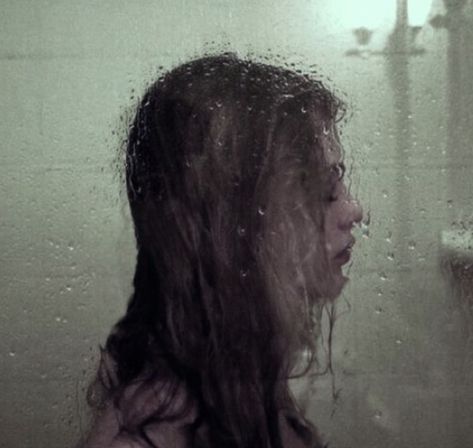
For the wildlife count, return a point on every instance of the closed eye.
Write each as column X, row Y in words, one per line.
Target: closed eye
column 332, row 198
column 337, row 171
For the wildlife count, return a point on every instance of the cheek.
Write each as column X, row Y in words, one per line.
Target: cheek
column 330, row 221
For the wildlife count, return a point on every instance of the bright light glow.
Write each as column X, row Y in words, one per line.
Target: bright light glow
column 371, row 14
column 418, row 11
column 374, row 14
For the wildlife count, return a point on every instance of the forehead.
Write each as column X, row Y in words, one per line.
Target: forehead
column 331, row 144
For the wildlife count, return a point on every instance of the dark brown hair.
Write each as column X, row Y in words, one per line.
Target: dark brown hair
column 218, row 303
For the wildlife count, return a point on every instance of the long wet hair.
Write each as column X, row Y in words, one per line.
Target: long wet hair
column 230, row 264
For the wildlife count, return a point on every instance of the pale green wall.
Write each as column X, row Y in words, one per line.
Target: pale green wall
column 68, row 70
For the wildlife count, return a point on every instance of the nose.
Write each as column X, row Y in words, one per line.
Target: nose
column 353, row 213
column 357, row 211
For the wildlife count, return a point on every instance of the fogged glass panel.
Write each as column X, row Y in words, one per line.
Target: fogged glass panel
column 396, row 367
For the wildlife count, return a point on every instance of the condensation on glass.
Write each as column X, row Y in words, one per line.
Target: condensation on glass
column 401, row 366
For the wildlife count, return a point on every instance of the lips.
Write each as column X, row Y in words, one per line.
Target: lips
column 344, row 255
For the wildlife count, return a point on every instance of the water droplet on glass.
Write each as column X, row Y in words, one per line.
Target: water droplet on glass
column 244, row 273
column 383, row 276
column 261, row 210
column 241, row 231
column 398, row 342
column 390, row 256
column 378, row 415
column 411, row 245
column 12, row 354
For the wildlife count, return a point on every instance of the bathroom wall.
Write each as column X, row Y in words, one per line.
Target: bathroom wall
column 72, row 71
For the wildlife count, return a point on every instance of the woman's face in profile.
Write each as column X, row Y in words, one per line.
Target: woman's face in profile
column 342, row 213
column 296, row 233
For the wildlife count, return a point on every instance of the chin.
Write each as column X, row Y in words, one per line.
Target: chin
column 338, row 283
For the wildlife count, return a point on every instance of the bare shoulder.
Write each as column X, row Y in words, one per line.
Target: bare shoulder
column 163, row 434
column 106, row 433
column 104, row 430
column 124, row 444
column 120, row 442
column 114, row 426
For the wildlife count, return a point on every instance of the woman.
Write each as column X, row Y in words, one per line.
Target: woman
column 242, row 223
